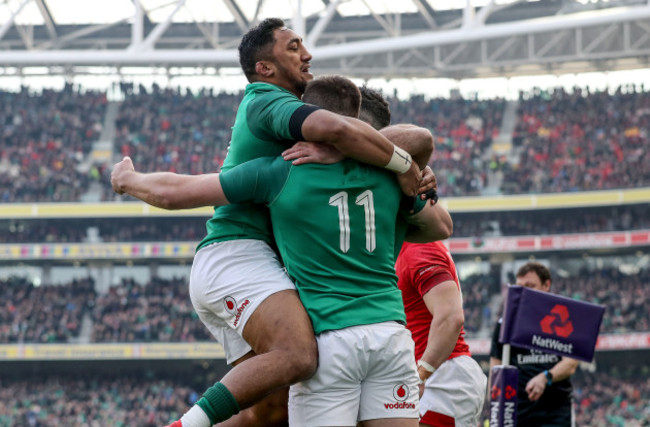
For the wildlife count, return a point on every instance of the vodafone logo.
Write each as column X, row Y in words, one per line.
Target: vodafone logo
column 557, row 322
column 511, row 393
column 230, row 304
column 400, row 392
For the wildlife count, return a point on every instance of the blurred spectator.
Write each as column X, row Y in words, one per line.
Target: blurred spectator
column 167, row 130
column 463, row 131
column 625, row 297
column 44, row 142
column 43, row 314
column 581, row 141
column 93, row 402
column 617, row 397
column 158, row 311
column 466, row 224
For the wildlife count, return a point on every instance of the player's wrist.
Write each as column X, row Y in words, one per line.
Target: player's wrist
column 400, row 162
column 548, row 377
column 425, row 370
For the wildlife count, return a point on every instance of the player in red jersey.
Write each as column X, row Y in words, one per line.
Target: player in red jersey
column 452, row 383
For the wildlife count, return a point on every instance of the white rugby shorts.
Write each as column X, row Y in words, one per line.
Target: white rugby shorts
column 228, row 281
column 365, row 372
column 456, row 389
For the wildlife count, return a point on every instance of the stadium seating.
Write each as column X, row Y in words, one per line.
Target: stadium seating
column 557, row 144
column 44, row 142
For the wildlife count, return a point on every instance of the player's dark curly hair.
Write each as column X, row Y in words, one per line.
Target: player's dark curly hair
column 334, row 93
column 374, row 108
column 257, row 44
column 542, row 272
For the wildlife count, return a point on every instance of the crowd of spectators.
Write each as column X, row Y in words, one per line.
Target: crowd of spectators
column 159, row 311
column 174, row 130
column 612, row 396
column 568, row 141
column 476, row 298
column 93, row 230
column 581, row 140
column 192, row 228
column 625, row 296
column 43, row 314
column 123, row 401
column 617, row 397
column 44, row 141
column 464, row 130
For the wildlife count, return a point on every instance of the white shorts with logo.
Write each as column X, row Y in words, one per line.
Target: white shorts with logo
column 456, row 389
column 229, row 280
column 365, row 372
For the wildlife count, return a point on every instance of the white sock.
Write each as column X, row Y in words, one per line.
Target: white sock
column 195, row 417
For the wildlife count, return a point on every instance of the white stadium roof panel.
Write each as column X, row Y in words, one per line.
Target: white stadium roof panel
column 28, row 13
column 360, row 7
column 192, row 11
column 364, row 38
column 66, row 12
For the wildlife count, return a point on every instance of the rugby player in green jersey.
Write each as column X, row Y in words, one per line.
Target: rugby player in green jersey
column 237, row 283
column 340, row 250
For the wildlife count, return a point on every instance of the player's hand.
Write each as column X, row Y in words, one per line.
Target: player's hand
column 308, row 152
column 410, row 180
column 536, row 386
column 429, row 182
column 120, row 170
column 176, row 423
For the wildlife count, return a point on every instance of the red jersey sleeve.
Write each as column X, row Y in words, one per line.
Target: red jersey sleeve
column 431, row 267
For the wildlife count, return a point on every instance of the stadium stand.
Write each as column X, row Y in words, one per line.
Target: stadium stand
column 581, row 140
column 557, row 146
column 158, row 311
column 45, row 140
column 608, row 397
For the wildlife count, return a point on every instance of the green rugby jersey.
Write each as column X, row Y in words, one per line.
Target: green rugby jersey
column 265, row 125
column 335, row 227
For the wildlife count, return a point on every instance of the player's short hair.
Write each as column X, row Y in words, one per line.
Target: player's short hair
column 334, row 93
column 257, row 45
column 542, row 272
column 374, row 108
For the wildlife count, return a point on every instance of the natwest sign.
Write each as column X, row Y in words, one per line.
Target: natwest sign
column 550, row 323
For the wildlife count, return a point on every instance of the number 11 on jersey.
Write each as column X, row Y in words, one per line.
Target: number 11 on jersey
column 365, row 199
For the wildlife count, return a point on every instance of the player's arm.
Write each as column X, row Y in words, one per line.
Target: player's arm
column 417, row 141
column 358, row 140
column 168, row 190
column 445, row 304
column 561, row 371
column 430, row 224
column 254, row 181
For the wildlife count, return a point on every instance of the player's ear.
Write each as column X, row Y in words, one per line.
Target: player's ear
column 546, row 286
column 264, row 68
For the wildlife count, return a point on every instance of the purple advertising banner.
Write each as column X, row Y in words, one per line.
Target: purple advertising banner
column 551, row 323
column 510, row 312
column 503, row 396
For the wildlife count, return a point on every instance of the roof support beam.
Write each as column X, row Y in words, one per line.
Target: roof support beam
column 47, row 17
column 7, row 25
column 240, row 19
column 321, row 24
column 385, row 25
column 137, row 28
column 158, row 31
column 425, row 14
column 260, row 3
column 298, row 21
